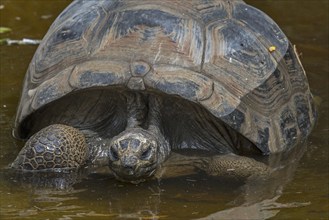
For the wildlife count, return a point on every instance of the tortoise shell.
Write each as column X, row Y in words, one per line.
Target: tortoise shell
column 226, row 57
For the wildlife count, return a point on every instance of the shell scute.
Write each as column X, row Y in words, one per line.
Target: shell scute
column 263, row 140
column 213, row 11
column 183, row 82
column 221, row 102
column 241, row 46
column 303, row 115
column 51, row 89
column 154, row 36
column 288, row 126
column 131, row 19
column 99, row 73
column 266, row 30
column 234, row 56
column 67, row 43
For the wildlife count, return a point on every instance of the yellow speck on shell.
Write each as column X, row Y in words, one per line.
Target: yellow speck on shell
column 272, row 48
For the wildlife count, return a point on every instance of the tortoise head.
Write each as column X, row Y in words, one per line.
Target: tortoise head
column 134, row 155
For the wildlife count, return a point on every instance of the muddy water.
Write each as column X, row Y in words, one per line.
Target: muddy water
column 298, row 191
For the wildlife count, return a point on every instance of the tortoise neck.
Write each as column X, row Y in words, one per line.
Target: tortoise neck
column 163, row 144
column 138, row 105
column 143, row 110
column 136, row 110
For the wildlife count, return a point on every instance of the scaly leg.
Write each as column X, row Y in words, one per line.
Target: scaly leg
column 232, row 165
column 54, row 147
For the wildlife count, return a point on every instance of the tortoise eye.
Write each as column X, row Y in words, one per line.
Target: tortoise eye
column 146, row 153
column 114, row 153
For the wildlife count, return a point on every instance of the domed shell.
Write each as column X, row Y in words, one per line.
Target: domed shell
column 226, row 56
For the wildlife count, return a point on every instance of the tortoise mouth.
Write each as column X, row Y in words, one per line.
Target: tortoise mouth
column 138, row 175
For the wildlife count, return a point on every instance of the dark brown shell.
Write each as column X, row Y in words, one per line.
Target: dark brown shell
column 214, row 53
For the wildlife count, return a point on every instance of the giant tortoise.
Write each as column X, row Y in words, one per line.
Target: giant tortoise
column 129, row 82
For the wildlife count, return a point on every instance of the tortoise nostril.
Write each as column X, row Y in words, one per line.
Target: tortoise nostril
column 129, row 167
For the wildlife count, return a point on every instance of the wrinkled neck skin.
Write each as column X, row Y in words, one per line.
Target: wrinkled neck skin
column 163, row 144
column 143, row 112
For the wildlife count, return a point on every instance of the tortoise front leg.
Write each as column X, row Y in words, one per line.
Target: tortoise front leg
column 236, row 166
column 56, row 146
